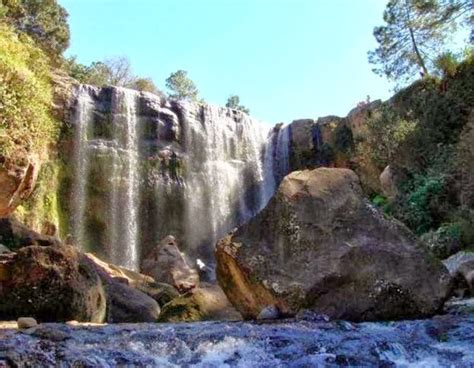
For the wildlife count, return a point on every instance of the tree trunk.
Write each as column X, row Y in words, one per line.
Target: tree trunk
column 421, row 62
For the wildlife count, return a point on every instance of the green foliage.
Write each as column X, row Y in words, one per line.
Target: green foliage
column 46, row 204
column 387, row 136
column 414, row 32
column 445, row 241
column 45, row 21
column 112, row 72
column 420, row 208
column 25, row 96
column 181, row 86
column 446, row 64
column 382, row 202
column 233, row 102
column 146, row 85
column 344, row 140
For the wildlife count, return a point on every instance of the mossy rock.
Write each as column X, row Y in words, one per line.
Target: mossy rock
column 181, row 309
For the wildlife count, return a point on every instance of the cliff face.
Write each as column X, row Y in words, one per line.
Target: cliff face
column 143, row 167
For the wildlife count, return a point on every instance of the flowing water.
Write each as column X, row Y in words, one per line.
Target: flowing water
column 147, row 168
column 312, row 341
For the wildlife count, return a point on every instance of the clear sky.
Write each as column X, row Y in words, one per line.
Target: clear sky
column 286, row 59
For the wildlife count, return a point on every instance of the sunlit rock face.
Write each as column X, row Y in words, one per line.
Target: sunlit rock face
column 146, row 167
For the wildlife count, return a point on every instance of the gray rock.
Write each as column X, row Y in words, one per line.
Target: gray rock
column 461, row 268
column 269, row 312
column 320, row 245
column 168, row 265
column 26, row 322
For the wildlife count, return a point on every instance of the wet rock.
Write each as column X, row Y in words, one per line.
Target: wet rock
column 201, row 304
column 50, row 284
column 16, row 235
column 269, row 312
column 167, row 264
column 26, row 322
column 17, row 180
column 320, row 245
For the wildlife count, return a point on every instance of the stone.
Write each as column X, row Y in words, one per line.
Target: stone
column 16, row 235
column 26, row 322
column 126, row 301
column 17, row 180
column 50, row 284
column 461, row 268
column 167, row 264
column 128, row 305
column 388, row 183
column 268, row 313
column 320, row 245
column 205, row 303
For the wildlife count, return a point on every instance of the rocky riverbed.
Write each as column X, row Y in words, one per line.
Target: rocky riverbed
column 310, row 340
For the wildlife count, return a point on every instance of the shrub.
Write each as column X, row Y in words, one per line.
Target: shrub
column 26, row 125
column 445, row 241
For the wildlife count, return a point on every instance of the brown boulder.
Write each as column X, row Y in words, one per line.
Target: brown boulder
column 167, row 264
column 320, row 245
column 17, row 180
column 50, row 284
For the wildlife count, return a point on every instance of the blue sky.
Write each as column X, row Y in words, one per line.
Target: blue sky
column 286, row 59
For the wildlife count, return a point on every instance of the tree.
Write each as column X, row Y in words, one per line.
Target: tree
column 146, row 85
column 233, row 102
column 45, row 21
column 415, row 32
column 120, row 72
column 181, row 86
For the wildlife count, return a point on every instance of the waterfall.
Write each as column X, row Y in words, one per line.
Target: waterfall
column 125, row 248
column 106, row 193
column 148, row 167
column 224, row 173
column 82, row 120
column 276, row 161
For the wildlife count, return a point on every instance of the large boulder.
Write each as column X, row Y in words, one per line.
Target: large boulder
column 15, row 235
column 167, row 264
column 320, row 245
column 17, row 180
column 51, row 284
column 127, row 301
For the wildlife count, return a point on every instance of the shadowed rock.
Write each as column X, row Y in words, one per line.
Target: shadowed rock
column 50, row 284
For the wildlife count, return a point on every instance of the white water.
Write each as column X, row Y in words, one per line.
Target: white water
column 82, row 120
column 121, row 170
column 127, row 198
column 224, row 156
column 277, row 161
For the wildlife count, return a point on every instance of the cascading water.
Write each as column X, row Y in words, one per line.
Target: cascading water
column 107, row 167
column 148, row 168
column 277, row 161
column 224, row 152
column 82, row 121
